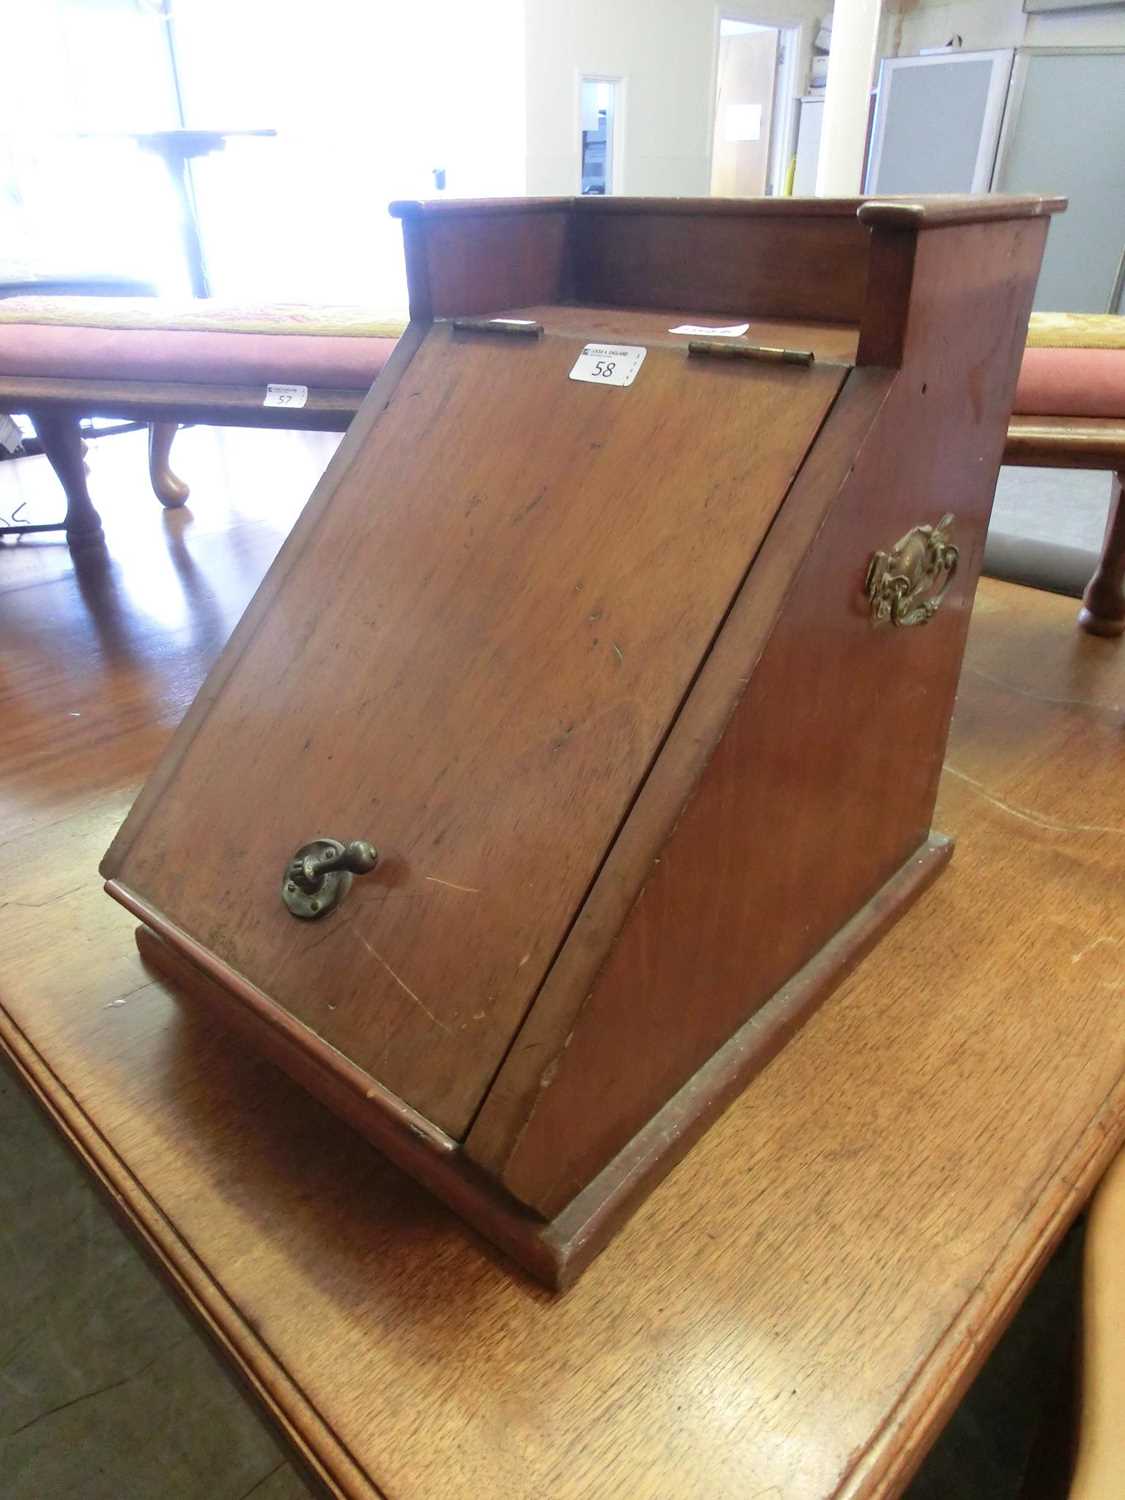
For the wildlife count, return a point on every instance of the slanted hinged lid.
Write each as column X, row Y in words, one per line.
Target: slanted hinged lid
column 471, row 659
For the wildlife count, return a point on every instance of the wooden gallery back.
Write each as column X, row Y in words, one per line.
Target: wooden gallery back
column 587, row 728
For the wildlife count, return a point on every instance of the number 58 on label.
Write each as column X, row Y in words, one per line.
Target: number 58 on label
column 605, row 364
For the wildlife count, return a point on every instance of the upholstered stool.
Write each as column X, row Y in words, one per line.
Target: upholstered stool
column 64, row 358
column 1070, row 414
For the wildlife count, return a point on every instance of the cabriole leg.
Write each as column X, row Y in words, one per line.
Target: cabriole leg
column 1103, row 603
column 61, row 437
column 169, row 488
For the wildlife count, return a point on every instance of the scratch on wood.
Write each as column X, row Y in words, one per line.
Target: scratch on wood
column 531, row 505
column 50, row 900
column 128, row 995
column 1029, row 817
column 452, row 885
column 403, row 986
column 617, row 651
column 1045, row 697
column 1097, row 943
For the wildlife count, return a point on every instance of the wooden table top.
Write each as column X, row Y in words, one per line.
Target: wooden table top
column 796, row 1310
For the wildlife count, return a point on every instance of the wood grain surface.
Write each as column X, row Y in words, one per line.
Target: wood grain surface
column 796, row 1309
column 1066, row 442
column 653, row 327
column 811, row 265
column 785, row 257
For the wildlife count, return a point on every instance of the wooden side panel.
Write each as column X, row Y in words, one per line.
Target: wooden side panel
column 824, row 782
column 764, row 266
column 886, row 310
column 497, row 616
column 485, row 261
column 683, row 760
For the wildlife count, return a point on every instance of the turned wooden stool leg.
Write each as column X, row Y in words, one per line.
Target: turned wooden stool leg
column 1103, row 603
column 61, row 437
column 170, row 489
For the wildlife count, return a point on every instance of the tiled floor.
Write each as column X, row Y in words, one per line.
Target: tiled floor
column 990, row 1445
column 1064, row 506
column 108, row 1392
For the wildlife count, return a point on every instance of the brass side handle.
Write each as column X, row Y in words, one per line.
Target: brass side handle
column 319, row 875
column 907, row 584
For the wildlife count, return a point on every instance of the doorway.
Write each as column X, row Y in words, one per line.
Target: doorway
column 755, row 107
column 599, row 134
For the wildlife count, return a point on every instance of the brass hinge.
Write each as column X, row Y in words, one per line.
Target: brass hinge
column 723, row 350
column 521, row 327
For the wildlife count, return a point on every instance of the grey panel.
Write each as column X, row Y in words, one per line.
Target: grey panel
column 1069, row 137
column 934, row 122
column 1034, row 7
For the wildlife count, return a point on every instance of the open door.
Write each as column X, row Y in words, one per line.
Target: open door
column 747, row 76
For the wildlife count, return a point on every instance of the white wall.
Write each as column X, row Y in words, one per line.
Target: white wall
column 667, row 54
column 910, row 25
column 1077, row 28
column 89, row 202
column 367, row 100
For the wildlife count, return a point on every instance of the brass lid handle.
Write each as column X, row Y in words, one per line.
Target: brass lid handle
column 319, row 875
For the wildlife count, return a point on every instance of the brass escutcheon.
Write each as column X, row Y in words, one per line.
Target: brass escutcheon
column 907, row 584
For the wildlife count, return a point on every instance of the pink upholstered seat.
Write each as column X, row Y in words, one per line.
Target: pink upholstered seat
column 228, row 344
column 1071, row 383
column 319, row 361
column 133, row 338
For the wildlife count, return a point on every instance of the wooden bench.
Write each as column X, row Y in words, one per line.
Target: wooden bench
column 72, row 358
column 63, row 359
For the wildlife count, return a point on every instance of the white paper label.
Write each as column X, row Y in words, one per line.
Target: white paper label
column 697, row 330
column 286, row 395
column 608, row 364
column 744, row 122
